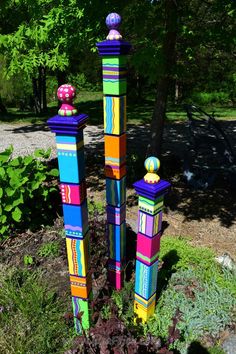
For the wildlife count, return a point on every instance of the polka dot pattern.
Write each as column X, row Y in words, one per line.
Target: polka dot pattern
column 66, row 92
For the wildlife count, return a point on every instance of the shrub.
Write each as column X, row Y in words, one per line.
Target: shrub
column 26, row 190
column 208, row 98
column 195, row 296
column 195, row 286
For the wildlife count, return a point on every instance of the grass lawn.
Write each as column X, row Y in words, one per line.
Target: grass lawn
column 91, row 103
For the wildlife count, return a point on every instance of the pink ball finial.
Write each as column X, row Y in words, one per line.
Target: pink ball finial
column 66, row 94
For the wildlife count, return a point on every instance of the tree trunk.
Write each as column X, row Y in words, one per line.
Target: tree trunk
column 3, row 109
column 37, row 106
column 168, row 57
column 176, row 92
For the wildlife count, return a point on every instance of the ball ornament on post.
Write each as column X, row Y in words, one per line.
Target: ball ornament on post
column 66, row 94
column 152, row 165
column 113, row 22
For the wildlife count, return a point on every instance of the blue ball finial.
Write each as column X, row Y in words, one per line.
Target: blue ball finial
column 113, row 20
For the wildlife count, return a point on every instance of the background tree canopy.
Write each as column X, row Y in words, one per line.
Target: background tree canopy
column 181, row 50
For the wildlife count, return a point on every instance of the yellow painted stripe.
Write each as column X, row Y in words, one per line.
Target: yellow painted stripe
column 69, row 256
column 114, row 72
column 70, row 147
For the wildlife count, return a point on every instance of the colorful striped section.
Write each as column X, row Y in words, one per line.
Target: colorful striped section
column 151, row 206
column 114, row 265
column 73, row 193
column 115, row 171
column 70, row 147
column 78, row 256
column 148, row 248
column 114, row 115
column 148, row 224
column 81, row 306
column 116, row 215
column 116, row 236
column 116, row 278
column 146, row 279
column 116, row 191
column 76, row 218
column 81, row 286
column 142, row 311
column 143, row 302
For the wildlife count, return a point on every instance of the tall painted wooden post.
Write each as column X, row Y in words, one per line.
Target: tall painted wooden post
column 151, row 190
column 114, row 53
column 68, row 126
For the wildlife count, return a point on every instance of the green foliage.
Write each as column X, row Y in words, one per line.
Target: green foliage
column 95, row 207
column 31, row 316
column 189, row 282
column 199, row 288
column 25, row 189
column 81, row 82
column 205, row 308
column 43, row 40
column 208, row 98
column 49, row 249
column 28, row 260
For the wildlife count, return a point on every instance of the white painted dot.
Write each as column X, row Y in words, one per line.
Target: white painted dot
column 66, row 90
column 67, row 95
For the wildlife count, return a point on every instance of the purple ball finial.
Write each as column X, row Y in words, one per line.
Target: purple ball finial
column 113, row 22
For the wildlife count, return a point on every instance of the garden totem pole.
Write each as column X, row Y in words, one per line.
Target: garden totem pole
column 68, row 126
column 151, row 190
column 114, row 52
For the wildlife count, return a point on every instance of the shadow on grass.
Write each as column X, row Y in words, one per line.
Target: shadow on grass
column 197, row 348
column 166, row 270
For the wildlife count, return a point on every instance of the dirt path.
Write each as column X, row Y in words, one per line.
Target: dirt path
column 206, row 217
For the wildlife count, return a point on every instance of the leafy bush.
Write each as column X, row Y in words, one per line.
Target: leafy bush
column 199, row 289
column 196, row 297
column 81, row 82
column 26, row 190
column 208, row 98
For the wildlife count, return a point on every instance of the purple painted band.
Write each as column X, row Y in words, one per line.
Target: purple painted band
column 109, row 48
column 110, row 68
column 114, row 77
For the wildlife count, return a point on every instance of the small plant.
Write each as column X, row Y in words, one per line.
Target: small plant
column 31, row 316
column 49, row 249
column 25, row 190
column 28, row 260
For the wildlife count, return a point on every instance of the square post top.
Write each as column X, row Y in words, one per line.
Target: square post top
column 67, row 125
column 113, row 48
column 151, row 191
